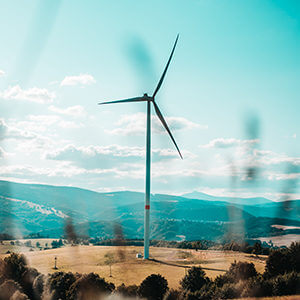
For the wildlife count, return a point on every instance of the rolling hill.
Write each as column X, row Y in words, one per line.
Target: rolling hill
column 44, row 209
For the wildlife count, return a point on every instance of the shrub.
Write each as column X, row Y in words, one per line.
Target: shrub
column 153, row 287
column 194, row 280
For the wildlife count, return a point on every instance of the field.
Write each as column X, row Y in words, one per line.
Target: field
column 125, row 267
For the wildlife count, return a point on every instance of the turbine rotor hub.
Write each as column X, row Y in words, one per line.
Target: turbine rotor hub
column 147, row 97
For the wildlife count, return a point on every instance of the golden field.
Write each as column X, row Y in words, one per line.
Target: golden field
column 125, row 267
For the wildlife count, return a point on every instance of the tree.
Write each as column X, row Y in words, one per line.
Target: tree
column 287, row 284
column 28, row 244
column 14, row 266
column 27, row 280
column 89, row 286
column 294, row 254
column 227, row 291
column 18, row 296
column 241, row 271
column 109, row 260
column 38, row 286
column 58, row 285
column 8, row 288
column 153, row 287
column 127, row 291
column 194, row 280
column 257, row 248
column 277, row 263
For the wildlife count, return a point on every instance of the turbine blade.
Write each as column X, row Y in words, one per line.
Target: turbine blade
column 137, row 99
column 160, row 116
column 166, row 68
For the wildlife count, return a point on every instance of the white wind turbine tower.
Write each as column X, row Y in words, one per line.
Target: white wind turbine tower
column 149, row 100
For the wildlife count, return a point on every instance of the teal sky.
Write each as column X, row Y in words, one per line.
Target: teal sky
column 231, row 95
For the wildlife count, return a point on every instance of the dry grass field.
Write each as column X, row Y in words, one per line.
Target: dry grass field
column 125, row 267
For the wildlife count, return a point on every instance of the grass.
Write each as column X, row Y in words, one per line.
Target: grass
column 126, row 268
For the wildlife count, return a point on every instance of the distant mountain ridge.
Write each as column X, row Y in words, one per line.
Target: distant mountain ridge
column 32, row 208
column 233, row 200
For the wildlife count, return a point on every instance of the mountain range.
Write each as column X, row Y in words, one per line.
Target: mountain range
column 45, row 209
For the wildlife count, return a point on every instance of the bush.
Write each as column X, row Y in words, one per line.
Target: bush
column 194, row 280
column 153, row 287
column 89, row 286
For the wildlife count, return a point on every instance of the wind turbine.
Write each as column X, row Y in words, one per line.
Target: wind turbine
column 149, row 100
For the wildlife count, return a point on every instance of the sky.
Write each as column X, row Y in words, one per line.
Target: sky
column 230, row 97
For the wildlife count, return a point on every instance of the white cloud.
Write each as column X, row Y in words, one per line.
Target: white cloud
column 9, row 132
column 272, row 158
column 107, row 156
column 31, row 141
column 53, row 120
column 37, row 95
column 282, row 176
column 63, row 169
column 75, row 111
column 69, row 124
column 73, row 153
column 2, row 73
column 135, row 124
column 228, row 143
column 82, row 79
